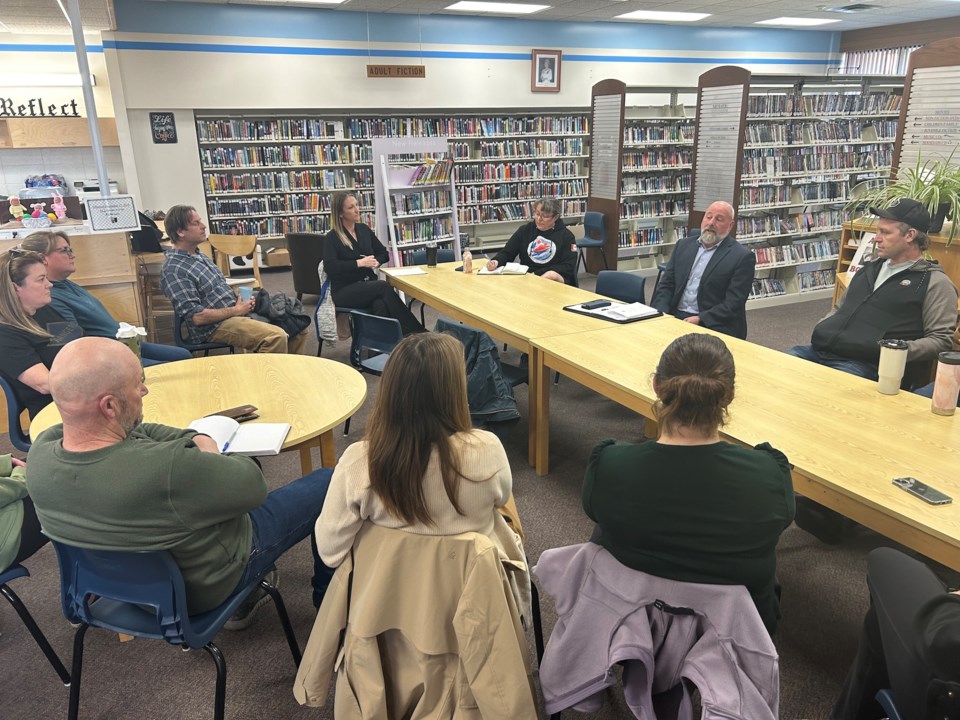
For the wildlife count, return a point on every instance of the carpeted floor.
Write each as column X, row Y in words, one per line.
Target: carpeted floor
column 824, row 594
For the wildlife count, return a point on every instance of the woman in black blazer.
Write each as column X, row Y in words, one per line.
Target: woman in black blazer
column 351, row 255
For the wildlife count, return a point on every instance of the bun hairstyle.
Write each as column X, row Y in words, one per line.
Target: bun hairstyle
column 694, row 382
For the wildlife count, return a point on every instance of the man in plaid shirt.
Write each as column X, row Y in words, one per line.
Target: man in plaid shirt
column 208, row 306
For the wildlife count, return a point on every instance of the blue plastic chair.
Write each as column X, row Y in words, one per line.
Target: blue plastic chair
column 12, row 573
column 419, row 257
column 622, row 286
column 18, row 436
column 205, row 347
column 142, row 594
column 594, row 236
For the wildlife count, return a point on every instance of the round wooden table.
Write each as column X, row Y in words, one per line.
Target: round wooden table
column 314, row 395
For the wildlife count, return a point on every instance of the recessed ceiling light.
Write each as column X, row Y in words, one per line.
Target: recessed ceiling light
column 504, row 8
column 662, row 16
column 855, row 8
column 796, row 22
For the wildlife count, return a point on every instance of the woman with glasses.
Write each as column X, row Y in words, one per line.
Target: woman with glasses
column 76, row 304
column 545, row 245
column 31, row 332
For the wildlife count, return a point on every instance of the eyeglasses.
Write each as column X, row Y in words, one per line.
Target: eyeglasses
column 544, row 215
column 66, row 250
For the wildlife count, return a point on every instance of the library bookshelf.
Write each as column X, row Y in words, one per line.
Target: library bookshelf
column 804, row 153
column 267, row 175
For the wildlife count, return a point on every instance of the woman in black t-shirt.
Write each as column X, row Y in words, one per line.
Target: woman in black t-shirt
column 31, row 332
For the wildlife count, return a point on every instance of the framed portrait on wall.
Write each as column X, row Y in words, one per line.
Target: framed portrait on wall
column 545, row 71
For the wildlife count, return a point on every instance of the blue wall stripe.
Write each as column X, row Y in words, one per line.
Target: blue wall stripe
column 13, row 47
column 442, row 54
column 285, row 22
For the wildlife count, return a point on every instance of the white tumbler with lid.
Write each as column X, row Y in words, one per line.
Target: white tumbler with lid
column 893, row 361
column 947, row 384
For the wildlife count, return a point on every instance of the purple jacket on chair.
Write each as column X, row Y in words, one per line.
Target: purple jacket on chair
column 669, row 636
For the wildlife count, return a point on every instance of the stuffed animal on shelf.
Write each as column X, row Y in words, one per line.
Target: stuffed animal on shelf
column 37, row 210
column 17, row 211
column 58, row 207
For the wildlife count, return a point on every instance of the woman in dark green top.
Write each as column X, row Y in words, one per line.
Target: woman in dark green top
column 690, row 507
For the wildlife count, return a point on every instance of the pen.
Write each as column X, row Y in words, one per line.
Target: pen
column 226, row 446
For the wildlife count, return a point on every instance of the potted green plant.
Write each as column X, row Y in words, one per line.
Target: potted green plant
column 935, row 183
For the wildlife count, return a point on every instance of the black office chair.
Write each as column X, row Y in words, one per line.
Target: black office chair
column 419, row 257
column 623, row 286
column 306, row 252
column 372, row 332
column 205, row 348
column 19, row 437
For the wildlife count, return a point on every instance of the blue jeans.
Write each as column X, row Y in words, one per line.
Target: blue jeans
column 153, row 354
column 926, row 390
column 286, row 517
column 847, row 365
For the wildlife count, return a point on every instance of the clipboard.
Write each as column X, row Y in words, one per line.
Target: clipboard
column 609, row 313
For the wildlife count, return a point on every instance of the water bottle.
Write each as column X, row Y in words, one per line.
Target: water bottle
column 431, row 254
column 947, row 384
column 467, row 261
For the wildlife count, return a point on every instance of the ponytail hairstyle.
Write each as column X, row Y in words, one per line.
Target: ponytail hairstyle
column 694, row 382
column 422, row 401
column 337, row 202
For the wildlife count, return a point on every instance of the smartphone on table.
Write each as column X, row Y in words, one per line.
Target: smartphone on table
column 922, row 491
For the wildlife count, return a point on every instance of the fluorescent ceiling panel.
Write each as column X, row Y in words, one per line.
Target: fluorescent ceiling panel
column 796, row 22
column 662, row 16
column 502, row 8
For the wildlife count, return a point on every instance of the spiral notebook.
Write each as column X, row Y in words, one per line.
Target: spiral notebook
column 618, row 312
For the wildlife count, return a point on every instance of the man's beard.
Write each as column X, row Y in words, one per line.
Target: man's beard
column 709, row 237
column 128, row 421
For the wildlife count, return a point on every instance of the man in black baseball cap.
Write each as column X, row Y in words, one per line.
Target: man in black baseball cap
column 906, row 210
column 898, row 296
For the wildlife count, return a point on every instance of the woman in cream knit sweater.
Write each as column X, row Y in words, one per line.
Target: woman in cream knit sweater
column 421, row 468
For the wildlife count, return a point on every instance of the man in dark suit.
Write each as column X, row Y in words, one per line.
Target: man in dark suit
column 709, row 276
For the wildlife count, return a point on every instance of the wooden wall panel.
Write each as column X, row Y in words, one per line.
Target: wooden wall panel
column 905, row 35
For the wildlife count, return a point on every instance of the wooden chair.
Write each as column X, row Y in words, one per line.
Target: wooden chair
column 226, row 245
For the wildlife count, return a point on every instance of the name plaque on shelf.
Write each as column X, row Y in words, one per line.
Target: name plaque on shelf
column 397, row 71
column 606, row 146
column 932, row 127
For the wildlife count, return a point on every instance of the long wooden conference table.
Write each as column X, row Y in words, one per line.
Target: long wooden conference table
column 846, row 441
column 314, row 395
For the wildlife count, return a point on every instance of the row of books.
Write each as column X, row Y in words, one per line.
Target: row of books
column 420, row 202
column 287, row 180
column 432, row 172
column 467, row 194
column 474, row 126
column 660, row 132
column 655, row 183
column 765, row 195
column 479, row 214
column 816, row 162
column 267, row 155
column 819, row 191
column 664, row 157
column 832, row 131
column 270, row 205
column 767, row 287
column 423, row 230
column 652, row 208
column 519, row 148
column 641, row 237
column 544, row 169
column 816, row 279
column 814, row 251
column 785, row 104
column 825, row 219
column 279, row 226
column 269, row 129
